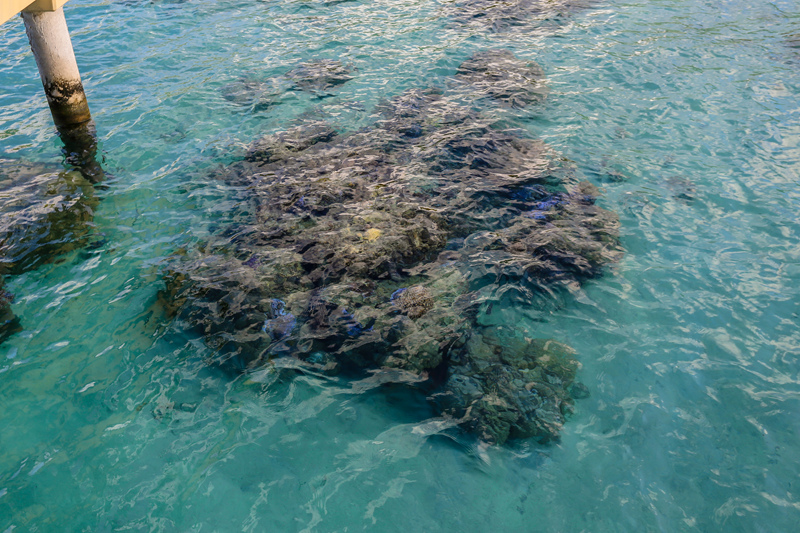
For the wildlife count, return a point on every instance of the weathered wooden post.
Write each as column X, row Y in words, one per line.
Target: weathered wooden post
column 44, row 230
column 52, row 48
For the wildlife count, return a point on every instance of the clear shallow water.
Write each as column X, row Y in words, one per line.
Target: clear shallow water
column 685, row 112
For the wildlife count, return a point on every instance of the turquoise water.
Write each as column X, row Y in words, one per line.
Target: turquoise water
column 686, row 113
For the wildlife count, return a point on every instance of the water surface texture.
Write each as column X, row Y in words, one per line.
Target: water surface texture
column 685, row 113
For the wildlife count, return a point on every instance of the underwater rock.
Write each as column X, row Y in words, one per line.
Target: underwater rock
column 253, row 93
column 226, row 303
column 317, row 77
column 281, row 146
column 681, row 188
column 513, row 15
column 9, row 323
column 507, row 386
column 579, row 391
column 280, row 323
column 500, row 75
column 415, row 301
column 43, row 213
column 320, row 75
column 375, row 249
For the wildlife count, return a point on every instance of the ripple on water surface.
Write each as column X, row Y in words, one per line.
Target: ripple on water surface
column 685, row 114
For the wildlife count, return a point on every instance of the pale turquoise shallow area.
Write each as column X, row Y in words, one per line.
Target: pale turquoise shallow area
column 687, row 113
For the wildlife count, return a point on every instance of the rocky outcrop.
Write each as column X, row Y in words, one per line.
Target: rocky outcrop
column 513, row 15
column 44, row 213
column 320, row 75
column 317, row 77
column 379, row 249
column 498, row 74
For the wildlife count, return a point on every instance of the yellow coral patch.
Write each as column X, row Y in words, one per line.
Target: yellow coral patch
column 372, row 234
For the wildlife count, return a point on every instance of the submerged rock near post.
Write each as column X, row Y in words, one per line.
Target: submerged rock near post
column 381, row 248
column 793, row 43
column 44, row 213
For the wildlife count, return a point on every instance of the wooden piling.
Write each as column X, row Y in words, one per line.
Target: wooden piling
column 52, row 48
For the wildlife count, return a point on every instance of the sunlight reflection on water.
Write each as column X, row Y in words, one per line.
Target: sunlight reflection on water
column 685, row 113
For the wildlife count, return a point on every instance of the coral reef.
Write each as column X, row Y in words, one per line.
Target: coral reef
column 414, row 301
column 378, row 249
column 43, row 213
column 9, row 323
column 507, row 386
column 513, row 15
column 500, row 75
column 317, row 77
column 320, row 75
column 255, row 94
column 276, row 147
